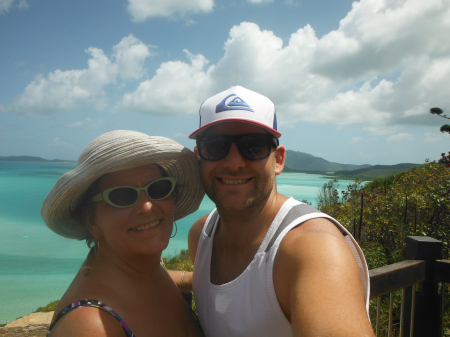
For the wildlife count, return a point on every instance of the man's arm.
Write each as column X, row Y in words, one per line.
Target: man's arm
column 182, row 279
column 318, row 283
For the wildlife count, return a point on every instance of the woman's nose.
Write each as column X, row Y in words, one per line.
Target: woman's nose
column 144, row 203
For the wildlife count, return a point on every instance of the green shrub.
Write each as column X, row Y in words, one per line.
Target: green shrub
column 181, row 261
column 49, row 307
column 383, row 212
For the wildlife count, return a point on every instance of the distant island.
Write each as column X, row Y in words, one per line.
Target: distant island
column 307, row 163
column 300, row 162
column 34, row 159
column 296, row 162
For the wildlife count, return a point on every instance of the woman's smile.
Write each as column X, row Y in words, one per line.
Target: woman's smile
column 146, row 226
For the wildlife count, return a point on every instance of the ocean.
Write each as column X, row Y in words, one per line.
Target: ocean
column 37, row 265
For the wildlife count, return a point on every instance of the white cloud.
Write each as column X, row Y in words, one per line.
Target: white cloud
column 180, row 135
column 176, row 88
column 6, row 5
column 377, row 35
column 385, row 66
column 87, row 124
column 19, row 63
column 365, row 156
column 9, row 127
column 70, row 89
column 432, row 137
column 356, row 140
column 57, row 142
column 141, row 10
column 400, row 137
column 259, row 1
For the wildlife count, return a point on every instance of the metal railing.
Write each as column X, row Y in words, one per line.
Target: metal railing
column 418, row 278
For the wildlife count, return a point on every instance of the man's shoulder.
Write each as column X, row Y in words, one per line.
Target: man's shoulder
column 312, row 237
column 316, row 274
column 198, row 225
column 194, row 235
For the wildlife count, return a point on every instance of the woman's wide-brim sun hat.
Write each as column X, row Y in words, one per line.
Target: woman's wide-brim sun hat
column 115, row 151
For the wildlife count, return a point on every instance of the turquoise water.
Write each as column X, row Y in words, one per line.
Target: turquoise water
column 37, row 265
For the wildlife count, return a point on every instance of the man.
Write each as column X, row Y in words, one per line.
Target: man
column 266, row 264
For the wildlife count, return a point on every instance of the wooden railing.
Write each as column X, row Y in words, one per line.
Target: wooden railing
column 418, row 277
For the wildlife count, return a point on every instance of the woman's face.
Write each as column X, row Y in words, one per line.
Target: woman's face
column 142, row 229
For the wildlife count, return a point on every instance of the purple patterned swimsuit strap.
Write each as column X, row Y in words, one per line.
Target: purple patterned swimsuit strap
column 94, row 304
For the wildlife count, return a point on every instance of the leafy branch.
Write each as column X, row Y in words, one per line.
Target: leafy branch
column 440, row 113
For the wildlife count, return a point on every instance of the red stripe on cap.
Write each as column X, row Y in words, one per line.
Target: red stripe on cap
column 274, row 132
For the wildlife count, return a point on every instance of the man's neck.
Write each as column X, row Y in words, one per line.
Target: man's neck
column 238, row 237
column 251, row 224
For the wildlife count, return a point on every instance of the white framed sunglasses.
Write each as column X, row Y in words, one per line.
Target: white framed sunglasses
column 127, row 196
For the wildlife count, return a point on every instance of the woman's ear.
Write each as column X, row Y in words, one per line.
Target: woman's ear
column 91, row 225
column 280, row 158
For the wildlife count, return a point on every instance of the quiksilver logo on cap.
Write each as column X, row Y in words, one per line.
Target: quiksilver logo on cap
column 235, row 104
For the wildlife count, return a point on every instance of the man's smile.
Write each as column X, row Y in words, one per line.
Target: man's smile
column 234, row 181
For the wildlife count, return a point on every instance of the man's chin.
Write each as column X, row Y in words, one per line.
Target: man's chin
column 235, row 205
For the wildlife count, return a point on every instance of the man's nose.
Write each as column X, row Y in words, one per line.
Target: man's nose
column 234, row 159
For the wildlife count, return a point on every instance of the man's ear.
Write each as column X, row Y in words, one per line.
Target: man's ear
column 280, row 158
column 196, row 152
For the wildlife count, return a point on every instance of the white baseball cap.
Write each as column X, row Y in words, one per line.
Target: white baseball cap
column 238, row 104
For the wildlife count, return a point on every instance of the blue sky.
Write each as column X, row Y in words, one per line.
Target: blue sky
column 352, row 81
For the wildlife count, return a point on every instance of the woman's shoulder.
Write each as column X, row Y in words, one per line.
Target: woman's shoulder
column 87, row 318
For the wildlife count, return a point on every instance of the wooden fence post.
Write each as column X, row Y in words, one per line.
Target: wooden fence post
column 406, row 211
column 361, row 217
column 415, row 219
column 427, row 313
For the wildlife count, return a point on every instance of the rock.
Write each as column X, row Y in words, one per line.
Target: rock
column 33, row 325
column 36, row 331
column 36, row 318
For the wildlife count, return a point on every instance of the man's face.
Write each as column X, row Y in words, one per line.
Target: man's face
column 236, row 183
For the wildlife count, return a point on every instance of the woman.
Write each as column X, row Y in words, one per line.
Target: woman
column 123, row 197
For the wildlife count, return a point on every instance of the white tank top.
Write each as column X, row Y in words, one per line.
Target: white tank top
column 248, row 305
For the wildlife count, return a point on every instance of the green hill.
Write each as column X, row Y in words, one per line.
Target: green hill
column 372, row 172
column 34, row 159
column 306, row 163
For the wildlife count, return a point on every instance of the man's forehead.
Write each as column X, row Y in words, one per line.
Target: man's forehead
column 234, row 128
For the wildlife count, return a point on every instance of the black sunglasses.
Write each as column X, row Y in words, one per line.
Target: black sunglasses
column 127, row 196
column 251, row 146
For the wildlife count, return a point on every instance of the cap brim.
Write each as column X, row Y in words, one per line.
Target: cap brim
column 199, row 131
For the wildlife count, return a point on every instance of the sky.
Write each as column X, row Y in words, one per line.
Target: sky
column 352, row 81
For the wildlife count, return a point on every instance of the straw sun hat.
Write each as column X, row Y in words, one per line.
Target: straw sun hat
column 115, row 151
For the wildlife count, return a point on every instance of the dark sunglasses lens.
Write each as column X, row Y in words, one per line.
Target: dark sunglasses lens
column 159, row 189
column 255, row 147
column 214, row 149
column 123, row 196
